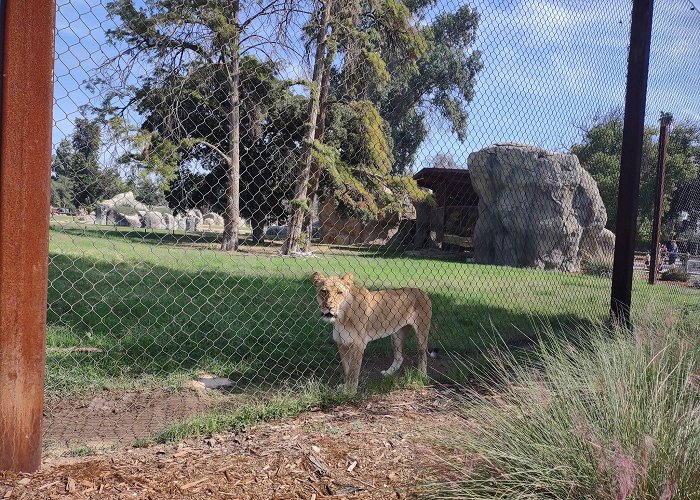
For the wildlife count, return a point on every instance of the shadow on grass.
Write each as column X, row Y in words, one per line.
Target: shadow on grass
column 128, row 324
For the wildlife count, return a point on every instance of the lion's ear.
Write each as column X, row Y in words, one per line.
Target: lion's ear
column 317, row 278
column 348, row 278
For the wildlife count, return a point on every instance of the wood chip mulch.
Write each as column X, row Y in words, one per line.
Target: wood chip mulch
column 371, row 450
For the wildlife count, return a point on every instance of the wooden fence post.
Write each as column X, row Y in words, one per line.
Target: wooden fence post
column 26, row 101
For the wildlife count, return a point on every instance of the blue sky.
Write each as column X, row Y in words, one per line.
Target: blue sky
column 549, row 66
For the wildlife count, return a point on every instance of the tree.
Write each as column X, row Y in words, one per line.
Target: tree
column 599, row 153
column 187, row 37
column 274, row 122
column 61, row 192
column 149, row 191
column 300, row 203
column 440, row 81
column 443, row 160
column 77, row 177
column 362, row 35
column 270, row 151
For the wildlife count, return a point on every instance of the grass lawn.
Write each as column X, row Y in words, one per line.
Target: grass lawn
column 133, row 309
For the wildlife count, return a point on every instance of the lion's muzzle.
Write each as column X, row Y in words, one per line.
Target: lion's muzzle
column 329, row 316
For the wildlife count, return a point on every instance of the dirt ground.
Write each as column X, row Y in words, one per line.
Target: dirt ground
column 108, row 418
column 376, row 449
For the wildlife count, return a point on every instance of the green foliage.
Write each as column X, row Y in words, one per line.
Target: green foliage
column 442, row 78
column 607, row 414
column 300, row 204
column 357, row 163
column 80, row 451
column 150, row 154
column 675, row 274
column 78, row 178
column 599, row 154
column 62, row 192
column 150, row 191
column 285, row 403
column 598, row 267
column 405, row 69
column 193, row 53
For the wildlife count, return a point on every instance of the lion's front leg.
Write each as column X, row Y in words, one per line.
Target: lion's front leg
column 351, row 359
column 344, row 351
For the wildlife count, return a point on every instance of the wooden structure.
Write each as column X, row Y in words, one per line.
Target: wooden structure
column 26, row 99
column 450, row 223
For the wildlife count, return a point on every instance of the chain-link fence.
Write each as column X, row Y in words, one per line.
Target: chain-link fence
column 210, row 156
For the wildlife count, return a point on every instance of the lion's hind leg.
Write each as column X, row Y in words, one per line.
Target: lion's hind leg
column 422, row 329
column 397, row 340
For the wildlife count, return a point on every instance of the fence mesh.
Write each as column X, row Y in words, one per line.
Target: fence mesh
column 210, row 156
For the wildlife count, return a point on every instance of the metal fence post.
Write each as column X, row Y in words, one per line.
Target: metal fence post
column 659, row 198
column 25, row 165
column 631, row 159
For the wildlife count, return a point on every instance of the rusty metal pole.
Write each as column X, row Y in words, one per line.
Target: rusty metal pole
column 631, row 160
column 25, row 166
column 666, row 119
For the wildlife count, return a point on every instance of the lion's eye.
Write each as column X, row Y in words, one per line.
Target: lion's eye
column 339, row 293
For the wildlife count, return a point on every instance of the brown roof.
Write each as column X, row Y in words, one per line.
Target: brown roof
column 451, row 186
column 428, row 172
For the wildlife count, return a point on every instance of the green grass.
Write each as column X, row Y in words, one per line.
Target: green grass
column 283, row 404
column 80, row 451
column 611, row 415
column 157, row 308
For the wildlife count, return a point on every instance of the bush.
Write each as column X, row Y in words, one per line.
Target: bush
column 613, row 415
column 696, row 283
column 598, row 267
column 675, row 274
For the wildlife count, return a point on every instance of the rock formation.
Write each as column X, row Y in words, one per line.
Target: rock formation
column 537, row 209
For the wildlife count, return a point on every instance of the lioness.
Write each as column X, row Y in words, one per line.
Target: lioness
column 360, row 316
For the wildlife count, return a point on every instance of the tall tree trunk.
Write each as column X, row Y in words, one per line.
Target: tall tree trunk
column 300, row 203
column 315, row 165
column 233, row 197
column 257, row 223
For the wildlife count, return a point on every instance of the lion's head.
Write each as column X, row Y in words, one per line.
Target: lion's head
column 331, row 292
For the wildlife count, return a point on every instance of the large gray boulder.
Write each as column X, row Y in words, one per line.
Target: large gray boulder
column 598, row 247
column 212, row 219
column 129, row 221
column 170, row 221
column 179, row 222
column 115, row 210
column 122, row 200
column 154, row 220
column 536, row 209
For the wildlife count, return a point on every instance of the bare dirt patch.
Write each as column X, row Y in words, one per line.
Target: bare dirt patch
column 374, row 449
column 110, row 418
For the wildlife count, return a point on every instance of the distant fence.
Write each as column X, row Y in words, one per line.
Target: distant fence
column 220, row 153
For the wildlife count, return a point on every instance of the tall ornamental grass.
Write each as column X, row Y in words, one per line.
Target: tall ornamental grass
column 611, row 414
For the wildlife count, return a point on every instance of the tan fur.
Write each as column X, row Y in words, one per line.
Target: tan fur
column 360, row 316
